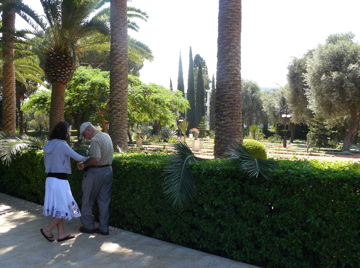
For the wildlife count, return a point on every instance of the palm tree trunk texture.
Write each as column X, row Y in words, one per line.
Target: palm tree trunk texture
column 228, row 117
column 57, row 103
column 9, row 92
column 118, row 74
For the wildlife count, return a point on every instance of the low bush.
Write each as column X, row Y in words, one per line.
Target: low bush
column 255, row 148
column 306, row 216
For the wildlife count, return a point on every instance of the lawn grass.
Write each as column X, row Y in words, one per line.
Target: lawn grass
column 296, row 149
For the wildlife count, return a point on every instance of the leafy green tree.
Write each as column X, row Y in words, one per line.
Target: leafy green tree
column 34, row 120
column 228, row 119
column 274, row 104
column 296, row 95
column 333, row 83
column 87, row 97
column 149, row 103
column 191, row 93
column 252, row 104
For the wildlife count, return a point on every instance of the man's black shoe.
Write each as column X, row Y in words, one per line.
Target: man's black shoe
column 88, row 231
column 98, row 231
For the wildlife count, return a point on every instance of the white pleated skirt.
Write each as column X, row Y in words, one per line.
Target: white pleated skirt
column 59, row 202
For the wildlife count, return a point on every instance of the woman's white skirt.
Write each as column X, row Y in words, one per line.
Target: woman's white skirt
column 59, row 202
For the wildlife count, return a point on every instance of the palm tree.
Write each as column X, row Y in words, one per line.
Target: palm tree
column 98, row 55
column 28, row 76
column 118, row 74
column 9, row 9
column 228, row 86
column 70, row 23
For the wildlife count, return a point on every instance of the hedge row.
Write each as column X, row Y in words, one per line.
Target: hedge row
column 308, row 215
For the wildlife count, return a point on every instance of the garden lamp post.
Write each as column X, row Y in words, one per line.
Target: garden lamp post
column 285, row 115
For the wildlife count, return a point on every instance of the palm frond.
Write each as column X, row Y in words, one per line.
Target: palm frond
column 11, row 145
column 180, row 183
column 249, row 164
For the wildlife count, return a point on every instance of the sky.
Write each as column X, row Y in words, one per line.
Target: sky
column 273, row 33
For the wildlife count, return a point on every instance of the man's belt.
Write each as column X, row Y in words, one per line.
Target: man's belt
column 99, row 166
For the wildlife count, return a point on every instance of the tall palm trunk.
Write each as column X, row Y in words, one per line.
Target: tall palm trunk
column 57, row 103
column 228, row 117
column 9, row 92
column 118, row 74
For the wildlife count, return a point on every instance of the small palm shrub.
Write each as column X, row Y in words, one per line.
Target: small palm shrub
column 255, row 148
column 167, row 133
column 142, row 131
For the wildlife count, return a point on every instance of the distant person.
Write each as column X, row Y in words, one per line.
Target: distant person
column 59, row 202
column 98, row 179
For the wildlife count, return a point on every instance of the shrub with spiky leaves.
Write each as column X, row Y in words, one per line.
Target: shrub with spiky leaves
column 10, row 145
column 180, row 183
column 167, row 133
column 249, row 164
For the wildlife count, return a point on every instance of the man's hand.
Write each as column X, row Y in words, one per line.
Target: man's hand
column 80, row 166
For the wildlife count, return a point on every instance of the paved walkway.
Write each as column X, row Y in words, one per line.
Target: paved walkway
column 22, row 245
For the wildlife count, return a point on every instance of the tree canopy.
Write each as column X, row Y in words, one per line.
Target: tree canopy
column 87, row 99
column 296, row 94
column 252, row 103
column 333, row 78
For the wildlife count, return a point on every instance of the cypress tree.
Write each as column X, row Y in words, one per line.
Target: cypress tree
column 197, row 60
column 180, row 83
column 191, row 93
column 171, row 86
column 200, row 96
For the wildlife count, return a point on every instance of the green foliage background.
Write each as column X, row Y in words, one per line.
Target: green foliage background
column 307, row 216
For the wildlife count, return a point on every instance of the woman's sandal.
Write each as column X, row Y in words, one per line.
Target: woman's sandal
column 66, row 238
column 48, row 238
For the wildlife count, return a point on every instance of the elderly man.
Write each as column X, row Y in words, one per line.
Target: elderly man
column 97, row 180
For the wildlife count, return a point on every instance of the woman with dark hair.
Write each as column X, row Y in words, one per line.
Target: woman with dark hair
column 59, row 202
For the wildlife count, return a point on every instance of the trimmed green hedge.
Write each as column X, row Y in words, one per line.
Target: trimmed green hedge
column 308, row 215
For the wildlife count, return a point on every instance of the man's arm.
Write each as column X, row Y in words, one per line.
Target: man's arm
column 90, row 162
